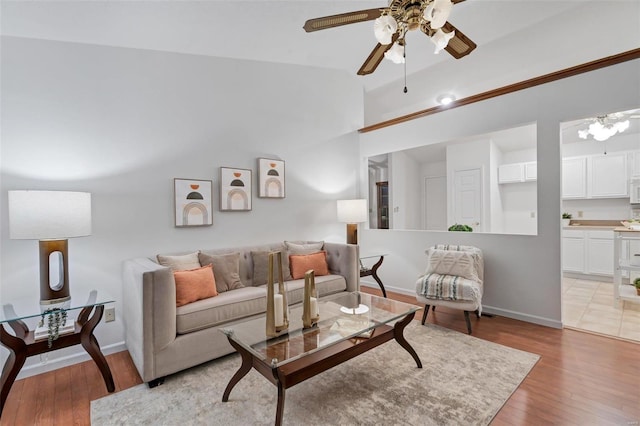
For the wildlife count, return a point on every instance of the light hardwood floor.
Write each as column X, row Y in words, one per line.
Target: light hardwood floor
column 581, row 379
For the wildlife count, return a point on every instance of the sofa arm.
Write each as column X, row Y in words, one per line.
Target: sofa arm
column 149, row 303
column 343, row 259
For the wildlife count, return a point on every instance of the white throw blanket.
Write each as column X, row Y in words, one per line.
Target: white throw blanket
column 448, row 287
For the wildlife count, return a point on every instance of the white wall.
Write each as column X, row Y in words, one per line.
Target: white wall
column 123, row 123
column 522, row 273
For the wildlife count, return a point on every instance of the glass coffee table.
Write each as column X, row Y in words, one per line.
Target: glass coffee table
column 350, row 325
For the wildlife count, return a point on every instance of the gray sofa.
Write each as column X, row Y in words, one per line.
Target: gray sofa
column 164, row 339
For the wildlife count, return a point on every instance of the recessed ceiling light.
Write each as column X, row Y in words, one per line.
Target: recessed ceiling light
column 445, row 99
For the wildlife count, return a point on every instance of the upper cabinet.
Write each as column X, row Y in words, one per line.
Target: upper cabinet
column 595, row 176
column 518, row 172
column 608, row 176
column 509, row 173
column 574, row 177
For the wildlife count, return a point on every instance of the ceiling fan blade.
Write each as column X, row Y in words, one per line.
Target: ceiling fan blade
column 460, row 45
column 456, row 1
column 341, row 19
column 376, row 56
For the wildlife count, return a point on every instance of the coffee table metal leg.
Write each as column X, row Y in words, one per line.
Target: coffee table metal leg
column 398, row 330
column 247, row 362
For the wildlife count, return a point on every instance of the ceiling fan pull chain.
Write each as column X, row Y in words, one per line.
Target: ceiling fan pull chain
column 404, row 55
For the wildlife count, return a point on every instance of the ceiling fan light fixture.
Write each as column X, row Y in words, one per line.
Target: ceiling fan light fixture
column 384, row 28
column 437, row 13
column 602, row 128
column 441, row 39
column 396, row 53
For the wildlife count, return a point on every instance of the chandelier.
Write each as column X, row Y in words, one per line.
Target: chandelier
column 428, row 15
column 603, row 127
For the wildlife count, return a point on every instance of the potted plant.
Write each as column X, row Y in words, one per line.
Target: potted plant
column 458, row 227
column 636, row 283
column 566, row 219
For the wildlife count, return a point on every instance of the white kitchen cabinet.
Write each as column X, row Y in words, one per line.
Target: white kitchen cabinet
column 607, row 176
column 573, row 251
column 599, row 252
column 510, row 173
column 590, row 252
column 634, row 161
column 530, row 171
column 574, row 177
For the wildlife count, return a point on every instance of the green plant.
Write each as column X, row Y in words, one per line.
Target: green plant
column 566, row 215
column 55, row 318
column 636, row 282
column 462, row 228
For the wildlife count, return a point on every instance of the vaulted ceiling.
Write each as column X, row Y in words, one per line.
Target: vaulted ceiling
column 517, row 39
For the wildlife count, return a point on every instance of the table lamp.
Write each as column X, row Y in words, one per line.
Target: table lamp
column 352, row 212
column 50, row 217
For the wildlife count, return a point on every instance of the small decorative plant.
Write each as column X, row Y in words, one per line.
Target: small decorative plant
column 566, row 215
column 636, row 283
column 56, row 317
column 462, row 228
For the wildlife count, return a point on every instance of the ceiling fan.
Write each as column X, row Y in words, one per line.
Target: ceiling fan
column 392, row 24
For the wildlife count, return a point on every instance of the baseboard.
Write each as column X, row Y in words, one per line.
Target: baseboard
column 373, row 284
column 54, row 364
column 548, row 322
column 486, row 309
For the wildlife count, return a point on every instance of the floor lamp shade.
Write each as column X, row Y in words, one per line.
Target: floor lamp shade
column 50, row 217
column 352, row 212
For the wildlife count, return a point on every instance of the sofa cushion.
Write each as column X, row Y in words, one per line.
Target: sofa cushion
column 298, row 247
column 180, row 262
column 261, row 267
column 228, row 306
column 301, row 263
column 194, row 284
column 226, row 269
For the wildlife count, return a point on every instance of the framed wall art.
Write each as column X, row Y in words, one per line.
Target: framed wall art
column 235, row 189
column 270, row 178
column 193, row 206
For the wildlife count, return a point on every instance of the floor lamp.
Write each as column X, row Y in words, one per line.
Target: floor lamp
column 50, row 217
column 352, row 212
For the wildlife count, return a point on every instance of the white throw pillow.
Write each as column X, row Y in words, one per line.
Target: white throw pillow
column 180, row 263
column 447, row 262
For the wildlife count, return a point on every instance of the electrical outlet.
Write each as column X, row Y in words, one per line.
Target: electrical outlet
column 533, row 215
column 580, row 213
column 109, row 314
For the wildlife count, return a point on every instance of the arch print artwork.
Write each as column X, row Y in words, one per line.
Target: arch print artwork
column 270, row 178
column 193, row 205
column 235, row 189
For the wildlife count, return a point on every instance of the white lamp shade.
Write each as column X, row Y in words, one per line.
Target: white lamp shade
column 395, row 54
column 441, row 39
column 352, row 211
column 49, row 215
column 438, row 12
column 384, row 28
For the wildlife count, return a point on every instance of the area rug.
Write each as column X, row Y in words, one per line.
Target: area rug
column 464, row 381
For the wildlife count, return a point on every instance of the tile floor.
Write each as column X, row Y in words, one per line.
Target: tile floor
column 588, row 305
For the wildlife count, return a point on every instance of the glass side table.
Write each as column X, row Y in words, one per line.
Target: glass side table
column 373, row 271
column 23, row 343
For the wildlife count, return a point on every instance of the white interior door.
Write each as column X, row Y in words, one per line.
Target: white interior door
column 435, row 203
column 467, row 206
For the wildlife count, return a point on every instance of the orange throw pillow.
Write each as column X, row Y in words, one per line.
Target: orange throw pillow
column 302, row 263
column 194, row 284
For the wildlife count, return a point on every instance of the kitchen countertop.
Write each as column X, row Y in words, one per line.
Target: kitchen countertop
column 607, row 225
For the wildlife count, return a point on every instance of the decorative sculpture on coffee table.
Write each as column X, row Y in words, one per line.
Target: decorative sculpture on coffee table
column 310, row 309
column 277, row 307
